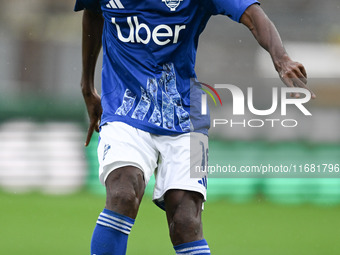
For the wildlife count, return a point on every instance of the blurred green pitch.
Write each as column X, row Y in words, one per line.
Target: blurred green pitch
column 41, row 224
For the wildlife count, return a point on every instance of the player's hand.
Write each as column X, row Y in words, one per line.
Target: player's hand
column 94, row 110
column 293, row 74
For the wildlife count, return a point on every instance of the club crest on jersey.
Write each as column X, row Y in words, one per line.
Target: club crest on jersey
column 172, row 4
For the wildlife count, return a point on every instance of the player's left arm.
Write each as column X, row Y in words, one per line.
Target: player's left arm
column 292, row 73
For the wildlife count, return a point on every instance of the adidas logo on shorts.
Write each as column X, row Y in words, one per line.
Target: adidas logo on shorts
column 106, row 149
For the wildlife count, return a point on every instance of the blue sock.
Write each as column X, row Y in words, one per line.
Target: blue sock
column 111, row 233
column 197, row 247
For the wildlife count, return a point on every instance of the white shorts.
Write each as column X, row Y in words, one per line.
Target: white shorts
column 169, row 157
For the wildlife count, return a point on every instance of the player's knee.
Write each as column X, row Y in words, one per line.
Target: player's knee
column 185, row 227
column 123, row 200
column 124, row 190
column 182, row 221
column 126, row 197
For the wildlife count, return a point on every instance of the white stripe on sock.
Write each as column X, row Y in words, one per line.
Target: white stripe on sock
column 195, row 252
column 193, row 248
column 114, row 223
column 111, row 226
column 116, row 219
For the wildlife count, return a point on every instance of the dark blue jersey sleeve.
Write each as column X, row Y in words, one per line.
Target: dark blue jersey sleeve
column 92, row 5
column 231, row 8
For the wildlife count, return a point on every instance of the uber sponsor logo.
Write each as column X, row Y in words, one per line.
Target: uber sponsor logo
column 160, row 35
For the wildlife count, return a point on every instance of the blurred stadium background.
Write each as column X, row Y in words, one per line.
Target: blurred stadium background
column 49, row 192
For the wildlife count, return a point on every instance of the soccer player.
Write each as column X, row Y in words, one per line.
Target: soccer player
column 149, row 110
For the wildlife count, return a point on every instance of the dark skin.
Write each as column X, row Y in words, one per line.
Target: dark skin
column 91, row 45
column 292, row 74
column 125, row 186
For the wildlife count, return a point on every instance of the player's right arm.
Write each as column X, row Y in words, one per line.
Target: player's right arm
column 91, row 45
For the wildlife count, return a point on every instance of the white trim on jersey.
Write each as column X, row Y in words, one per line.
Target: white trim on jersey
column 115, row 4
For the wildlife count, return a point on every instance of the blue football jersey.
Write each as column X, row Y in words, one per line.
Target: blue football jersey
column 149, row 51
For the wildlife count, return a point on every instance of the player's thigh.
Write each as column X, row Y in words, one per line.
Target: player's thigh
column 124, row 190
column 126, row 162
column 128, row 180
column 121, row 145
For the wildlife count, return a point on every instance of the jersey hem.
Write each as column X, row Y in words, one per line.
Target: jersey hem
column 153, row 130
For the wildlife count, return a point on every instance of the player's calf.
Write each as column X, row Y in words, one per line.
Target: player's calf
column 125, row 187
column 184, row 210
